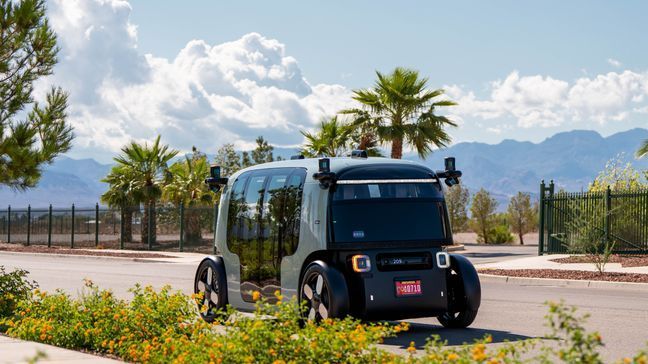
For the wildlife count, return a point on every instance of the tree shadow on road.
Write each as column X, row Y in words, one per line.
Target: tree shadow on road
column 419, row 333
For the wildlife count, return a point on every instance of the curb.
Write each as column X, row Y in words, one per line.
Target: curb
column 455, row 248
column 575, row 283
column 86, row 256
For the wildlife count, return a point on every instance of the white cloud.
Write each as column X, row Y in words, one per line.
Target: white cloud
column 614, row 63
column 533, row 101
column 206, row 96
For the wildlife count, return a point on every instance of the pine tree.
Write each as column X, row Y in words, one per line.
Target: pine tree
column 263, row 151
column 28, row 139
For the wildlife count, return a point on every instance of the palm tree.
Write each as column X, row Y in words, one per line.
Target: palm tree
column 643, row 151
column 121, row 194
column 400, row 109
column 333, row 139
column 148, row 165
column 187, row 186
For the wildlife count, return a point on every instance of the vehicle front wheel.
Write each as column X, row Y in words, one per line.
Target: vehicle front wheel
column 324, row 291
column 211, row 288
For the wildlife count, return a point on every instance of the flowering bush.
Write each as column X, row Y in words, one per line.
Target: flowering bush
column 14, row 287
column 163, row 326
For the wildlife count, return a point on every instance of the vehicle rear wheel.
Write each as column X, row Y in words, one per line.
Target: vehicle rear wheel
column 210, row 285
column 324, row 290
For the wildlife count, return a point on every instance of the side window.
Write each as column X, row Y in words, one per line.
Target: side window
column 235, row 215
column 292, row 212
column 263, row 226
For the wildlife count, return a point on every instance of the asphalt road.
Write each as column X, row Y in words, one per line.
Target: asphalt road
column 508, row 311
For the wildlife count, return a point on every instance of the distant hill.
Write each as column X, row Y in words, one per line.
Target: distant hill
column 572, row 159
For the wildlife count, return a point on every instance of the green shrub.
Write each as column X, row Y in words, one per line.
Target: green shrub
column 499, row 234
column 14, row 287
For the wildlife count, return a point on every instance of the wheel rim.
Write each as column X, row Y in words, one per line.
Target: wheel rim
column 208, row 285
column 316, row 293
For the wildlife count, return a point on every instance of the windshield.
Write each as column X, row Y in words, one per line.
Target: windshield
column 386, row 212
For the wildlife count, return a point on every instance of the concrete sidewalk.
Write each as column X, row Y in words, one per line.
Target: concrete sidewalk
column 544, row 262
column 19, row 351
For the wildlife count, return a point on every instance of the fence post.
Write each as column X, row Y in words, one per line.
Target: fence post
column 215, row 225
column 182, row 226
column 121, row 230
column 541, row 207
column 96, row 225
column 551, row 244
column 72, row 235
column 149, row 227
column 9, row 224
column 49, row 226
column 608, row 209
column 28, row 224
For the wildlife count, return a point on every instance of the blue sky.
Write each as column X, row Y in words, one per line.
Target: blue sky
column 208, row 72
column 460, row 42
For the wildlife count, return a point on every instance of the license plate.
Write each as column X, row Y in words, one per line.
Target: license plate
column 408, row 288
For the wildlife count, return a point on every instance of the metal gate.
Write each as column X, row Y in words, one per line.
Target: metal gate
column 619, row 216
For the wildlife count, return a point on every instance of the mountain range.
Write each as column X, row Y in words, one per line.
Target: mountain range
column 572, row 159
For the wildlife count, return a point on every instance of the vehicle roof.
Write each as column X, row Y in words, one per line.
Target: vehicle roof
column 336, row 164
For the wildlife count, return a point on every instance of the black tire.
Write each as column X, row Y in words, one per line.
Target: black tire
column 464, row 293
column 210, row 280
column 457, row 320
column 325, row 292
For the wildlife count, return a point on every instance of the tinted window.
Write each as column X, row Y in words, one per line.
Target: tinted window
column 266, row 213
column 390, row 212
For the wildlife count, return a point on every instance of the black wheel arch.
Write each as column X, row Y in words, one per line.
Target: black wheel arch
column 470, row 280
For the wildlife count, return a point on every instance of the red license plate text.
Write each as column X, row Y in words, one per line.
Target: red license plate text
column 408, row 288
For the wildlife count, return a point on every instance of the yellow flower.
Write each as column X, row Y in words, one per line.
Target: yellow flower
column 412, row 347
column 278, row 295
column 453, row 357
column 478, row 352
column 256, row 295
column 627, row 360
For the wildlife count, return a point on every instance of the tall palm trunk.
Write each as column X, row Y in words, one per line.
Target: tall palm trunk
column 128, row 224
column 192, row 234
column 397, row 148
column 149, row 215
column 365, row 140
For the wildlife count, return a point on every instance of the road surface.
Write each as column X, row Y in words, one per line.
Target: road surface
column 508, row 311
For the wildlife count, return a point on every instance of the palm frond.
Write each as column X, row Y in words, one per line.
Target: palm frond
column 643, row 151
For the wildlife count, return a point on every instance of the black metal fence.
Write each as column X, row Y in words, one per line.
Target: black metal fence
column 172, row 228
column 619, row 216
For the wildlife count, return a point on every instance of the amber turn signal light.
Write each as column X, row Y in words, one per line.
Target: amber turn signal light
column 361, row 263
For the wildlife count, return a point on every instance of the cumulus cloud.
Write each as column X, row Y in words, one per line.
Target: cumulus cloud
column 542, row 101
column 614, row 63
column 210, row 94
column 206, row 96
